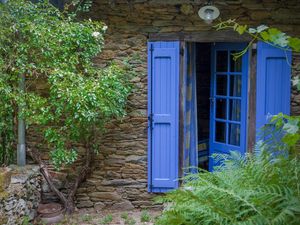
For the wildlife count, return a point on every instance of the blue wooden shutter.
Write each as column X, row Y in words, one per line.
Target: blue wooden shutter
column 163, row 114
column 273, row 83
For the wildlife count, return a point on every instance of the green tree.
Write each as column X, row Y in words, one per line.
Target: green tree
column 54, row 48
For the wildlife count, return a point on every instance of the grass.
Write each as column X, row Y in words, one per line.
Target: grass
column 145, row 216
column 106, row 220
column 86, row 218
column 124, row 215
column 130, row 221
column 127, row 220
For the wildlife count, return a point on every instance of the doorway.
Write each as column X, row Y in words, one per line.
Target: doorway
column 221, row 93
column 197, row 100
column 203, row 79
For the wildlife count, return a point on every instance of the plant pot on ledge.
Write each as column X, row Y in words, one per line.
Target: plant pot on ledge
column 51, row 213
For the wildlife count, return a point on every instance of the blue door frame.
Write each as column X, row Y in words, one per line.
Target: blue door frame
column 163, row 109
column 228, row 113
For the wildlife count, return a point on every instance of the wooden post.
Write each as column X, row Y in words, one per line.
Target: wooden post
column 21, row 148
column 252, row 100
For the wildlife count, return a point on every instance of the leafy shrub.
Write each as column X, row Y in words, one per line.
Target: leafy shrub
column 260, row 188
column 56, row 50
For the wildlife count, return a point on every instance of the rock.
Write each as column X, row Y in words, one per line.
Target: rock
column 85, row 204
column 22, row 195
column 187, row 9
column 98, row 206
column 9, row 206
column 96, row 196
column 125, row 205
column 136, row 159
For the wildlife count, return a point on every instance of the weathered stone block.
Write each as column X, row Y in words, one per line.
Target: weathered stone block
column 124, row 205
column 98, row 206
column 85, row 204
column 98, row 196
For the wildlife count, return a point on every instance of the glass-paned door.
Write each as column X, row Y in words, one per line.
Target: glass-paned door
column 228, row 100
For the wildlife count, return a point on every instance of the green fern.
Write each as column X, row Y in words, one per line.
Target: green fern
column 260, row 188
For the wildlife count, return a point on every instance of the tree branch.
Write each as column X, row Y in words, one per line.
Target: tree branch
column 45, row 172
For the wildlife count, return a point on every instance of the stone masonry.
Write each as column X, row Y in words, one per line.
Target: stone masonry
column 20, row 195
column 119, row 179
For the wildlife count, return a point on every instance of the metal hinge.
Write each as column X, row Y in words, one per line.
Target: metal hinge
column 151, row 48
column 150, row 119
column 182, row 51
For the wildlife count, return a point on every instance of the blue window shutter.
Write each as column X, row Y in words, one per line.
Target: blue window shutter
column 163, row 114
column 273, row 82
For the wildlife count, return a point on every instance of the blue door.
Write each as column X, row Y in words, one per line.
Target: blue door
column 228, row 113
column 163, row 115
column 273, row 83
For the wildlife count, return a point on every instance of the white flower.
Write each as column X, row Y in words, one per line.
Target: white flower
column 95, row 34
column 104, row 28
column 296, row 81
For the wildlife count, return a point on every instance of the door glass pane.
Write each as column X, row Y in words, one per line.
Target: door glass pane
column 221, row 85
column 234, row 134
column 221, row 108
column 235, row 109
column 222, row 61
column 235, row 65
column 220, row 132
column 236, row 85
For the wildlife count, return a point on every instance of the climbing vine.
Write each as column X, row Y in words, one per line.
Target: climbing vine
column 281, row 40
column 270, row 35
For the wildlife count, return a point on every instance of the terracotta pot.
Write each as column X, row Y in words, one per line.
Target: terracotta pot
column 51, row 213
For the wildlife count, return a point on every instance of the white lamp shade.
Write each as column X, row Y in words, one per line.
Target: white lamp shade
column 209, row 13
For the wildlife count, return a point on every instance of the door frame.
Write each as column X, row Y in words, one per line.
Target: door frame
column 206, row 37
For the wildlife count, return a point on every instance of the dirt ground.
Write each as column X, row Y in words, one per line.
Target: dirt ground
column 132, row 217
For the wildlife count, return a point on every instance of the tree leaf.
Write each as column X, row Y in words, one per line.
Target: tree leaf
column 241, row 29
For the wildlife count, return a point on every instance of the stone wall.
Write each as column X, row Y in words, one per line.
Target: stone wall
column 120, row 170
column 20, row 194
column 295, row 98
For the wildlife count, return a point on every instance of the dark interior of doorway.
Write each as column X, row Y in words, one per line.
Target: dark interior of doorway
column 203, row 79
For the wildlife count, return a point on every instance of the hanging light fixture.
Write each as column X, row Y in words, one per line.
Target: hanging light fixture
column 208, row 12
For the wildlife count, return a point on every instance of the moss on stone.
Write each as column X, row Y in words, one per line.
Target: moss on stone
column 3, row 195
column 3, row 219
column 5, row 177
